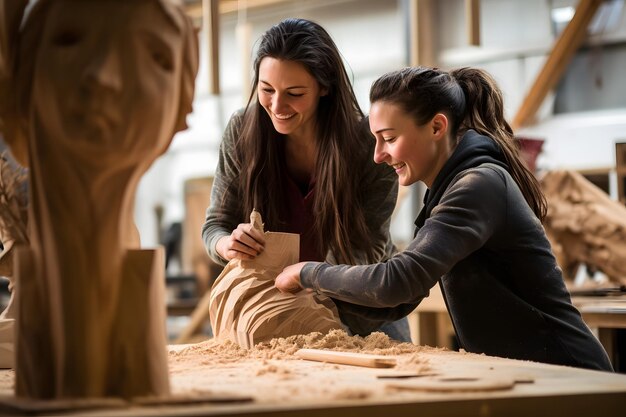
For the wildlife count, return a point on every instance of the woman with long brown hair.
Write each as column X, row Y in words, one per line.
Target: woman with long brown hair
column 479, row 234
column 301, row 154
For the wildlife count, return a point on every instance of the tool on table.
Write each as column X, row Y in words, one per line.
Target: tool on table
column 406, row 375
column 455, row 384
column 347, row 358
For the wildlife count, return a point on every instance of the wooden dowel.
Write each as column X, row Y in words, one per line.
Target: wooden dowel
column 347, row 358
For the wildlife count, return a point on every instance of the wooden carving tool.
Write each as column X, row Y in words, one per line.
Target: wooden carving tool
column 347, row 358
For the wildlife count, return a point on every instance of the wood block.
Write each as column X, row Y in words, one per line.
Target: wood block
column 139, row 339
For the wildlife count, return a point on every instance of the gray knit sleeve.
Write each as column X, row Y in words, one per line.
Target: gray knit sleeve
column 225, row 211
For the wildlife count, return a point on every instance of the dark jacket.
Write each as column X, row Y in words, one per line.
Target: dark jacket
column 501, row 283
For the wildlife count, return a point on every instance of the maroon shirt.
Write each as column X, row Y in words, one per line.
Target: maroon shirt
column 300, row 217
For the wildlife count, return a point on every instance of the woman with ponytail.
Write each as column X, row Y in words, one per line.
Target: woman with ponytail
column 479, row 234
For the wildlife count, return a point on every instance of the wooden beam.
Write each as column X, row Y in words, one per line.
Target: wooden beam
column 211, row 28
column 229, row 6
column 557, row 61
column 472, row 19
column 421, row 45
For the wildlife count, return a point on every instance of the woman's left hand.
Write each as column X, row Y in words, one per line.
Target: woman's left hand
column 289, row 279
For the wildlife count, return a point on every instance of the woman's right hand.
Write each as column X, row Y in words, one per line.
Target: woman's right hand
column 245, row 242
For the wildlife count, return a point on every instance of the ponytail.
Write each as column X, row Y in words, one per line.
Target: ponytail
column 485, row 114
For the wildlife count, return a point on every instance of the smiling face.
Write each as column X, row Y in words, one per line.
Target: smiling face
column 417, row 153
column 290, row 96
column 107, row 78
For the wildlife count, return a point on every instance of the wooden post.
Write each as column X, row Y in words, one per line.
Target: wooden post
column 210, row 24
column 620, row 168
column 472, row 19
column 421, row 49
column 558, row 59
column 243, row 32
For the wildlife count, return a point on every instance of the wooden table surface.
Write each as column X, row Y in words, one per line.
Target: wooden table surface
column 293, row 387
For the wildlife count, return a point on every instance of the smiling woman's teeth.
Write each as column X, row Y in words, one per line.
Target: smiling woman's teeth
column 284, row 116
column 397, row 166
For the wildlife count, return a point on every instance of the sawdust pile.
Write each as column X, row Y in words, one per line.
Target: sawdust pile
column 267, row 373
column 214, row 351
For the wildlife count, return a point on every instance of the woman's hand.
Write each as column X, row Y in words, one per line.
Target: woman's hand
column 245, row 242
column 289, row 279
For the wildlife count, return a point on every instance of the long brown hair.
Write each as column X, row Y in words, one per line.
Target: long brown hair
column 339, row 216
column 471, row 99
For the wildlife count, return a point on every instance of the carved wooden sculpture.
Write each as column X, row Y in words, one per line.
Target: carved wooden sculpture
column 94, row 92
column 246, row 308
column 585, row 225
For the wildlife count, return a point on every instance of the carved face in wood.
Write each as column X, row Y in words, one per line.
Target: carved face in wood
column 107, row 80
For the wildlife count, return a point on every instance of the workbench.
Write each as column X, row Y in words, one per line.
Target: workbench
column 294, row 387
column 606, row 315
column 430, row 322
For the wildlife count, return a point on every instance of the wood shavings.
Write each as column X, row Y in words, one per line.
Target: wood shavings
column 284, row 348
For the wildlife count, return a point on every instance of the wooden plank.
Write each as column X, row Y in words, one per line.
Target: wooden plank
column 472, row 21
column 558, row 59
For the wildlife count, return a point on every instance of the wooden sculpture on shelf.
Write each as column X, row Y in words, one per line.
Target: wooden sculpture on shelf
column 584, row 225
column 246, row 308
column 92, row 93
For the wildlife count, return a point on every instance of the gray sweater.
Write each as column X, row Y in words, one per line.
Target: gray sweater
column 379, row 189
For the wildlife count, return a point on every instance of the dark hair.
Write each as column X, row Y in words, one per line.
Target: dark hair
column 471, row 99
column 339, row 217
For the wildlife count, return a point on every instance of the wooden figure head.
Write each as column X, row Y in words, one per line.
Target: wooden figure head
column 105, row 77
